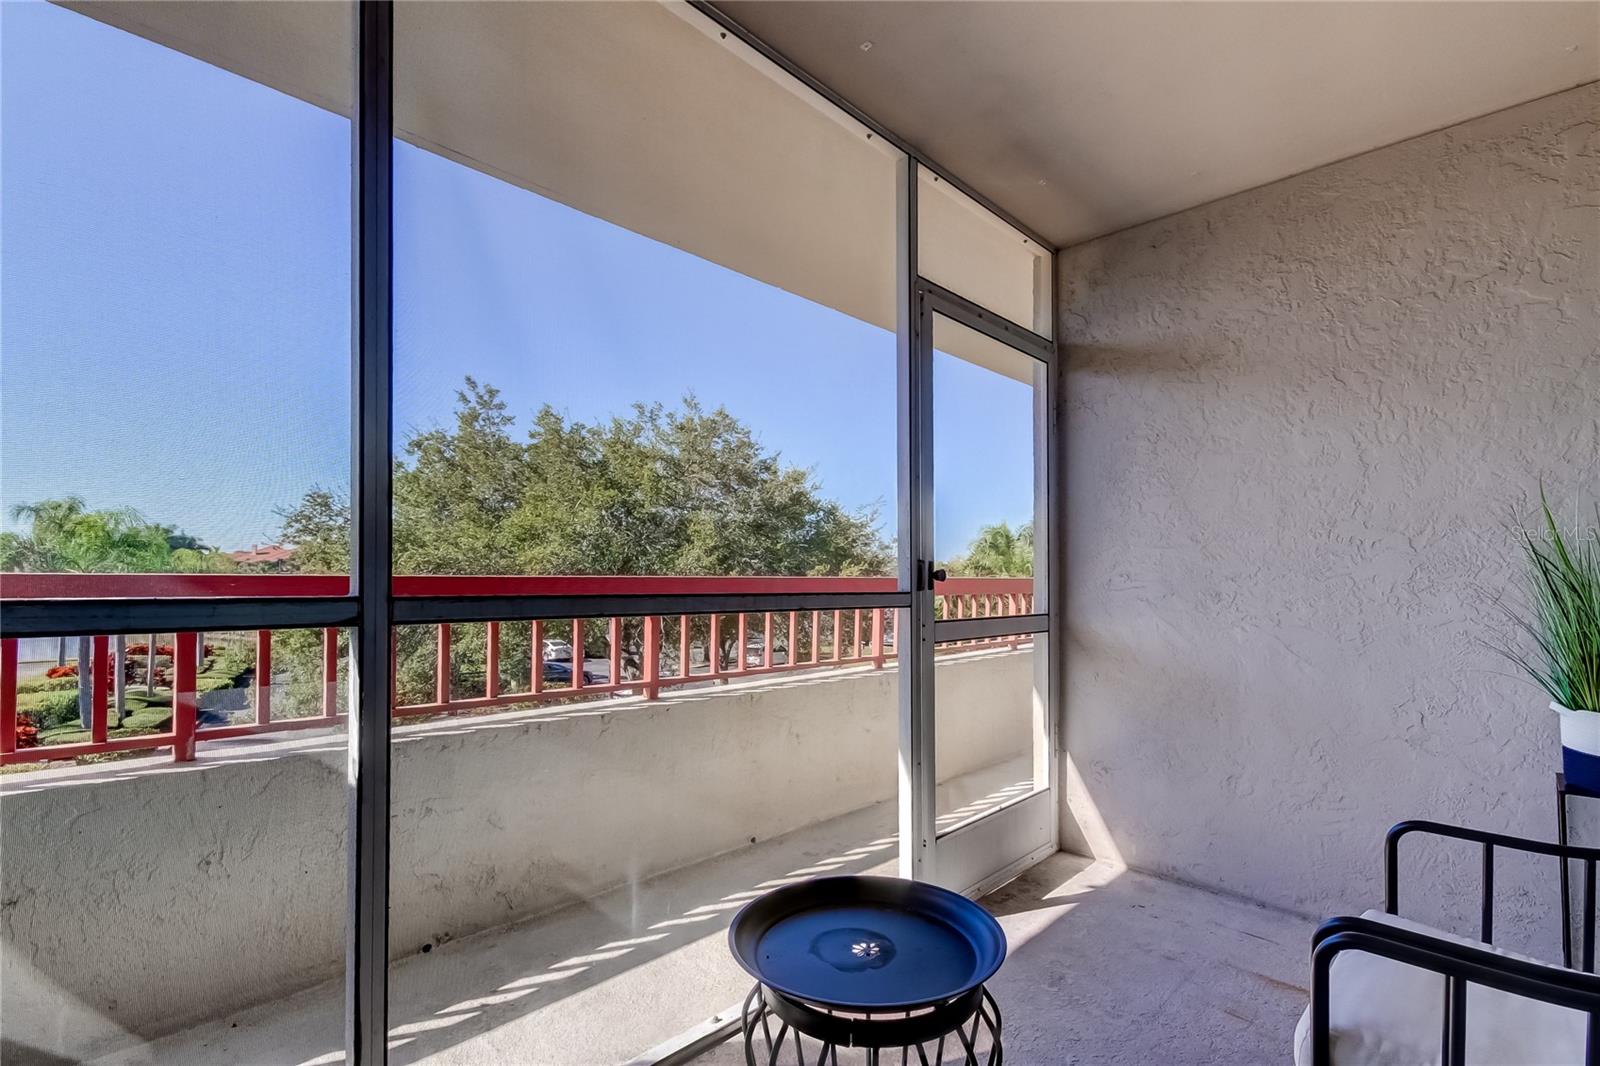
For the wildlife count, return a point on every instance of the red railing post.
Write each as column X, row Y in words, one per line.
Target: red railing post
column 330, row 672
column 263, row 676
column 394, row 670
column 99, row 701
column 961, row 597
column 100, row 694
column 491, row 660
column 185, row 700
column 8, row 695
column 579, row 657
column 536, row 659
column 957, row 597
column 650, row 657
column 441, row 664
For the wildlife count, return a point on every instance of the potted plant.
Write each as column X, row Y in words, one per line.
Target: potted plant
column 1563, row 620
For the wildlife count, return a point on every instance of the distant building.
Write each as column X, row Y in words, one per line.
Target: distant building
column 271, row 556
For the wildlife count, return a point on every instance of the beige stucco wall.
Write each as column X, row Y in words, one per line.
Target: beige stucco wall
column 1297, row 424
column 140, row 898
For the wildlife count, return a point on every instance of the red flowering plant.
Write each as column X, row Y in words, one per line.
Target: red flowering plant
column 142, row 648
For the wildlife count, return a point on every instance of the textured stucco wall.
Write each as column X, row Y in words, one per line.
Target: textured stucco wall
column 1297, row 422
column 137, row 901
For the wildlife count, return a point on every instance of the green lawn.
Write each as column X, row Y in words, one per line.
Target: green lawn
column 146, row 712
column 149, row 719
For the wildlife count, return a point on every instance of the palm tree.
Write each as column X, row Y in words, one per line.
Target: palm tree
column 119, row 675
column 64, row 536
column 85, row 681
column 997, row 551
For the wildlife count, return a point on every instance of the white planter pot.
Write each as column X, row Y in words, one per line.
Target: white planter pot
column 1580, row 746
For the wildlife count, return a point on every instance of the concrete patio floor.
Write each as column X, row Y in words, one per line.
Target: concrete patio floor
column 1105, row 966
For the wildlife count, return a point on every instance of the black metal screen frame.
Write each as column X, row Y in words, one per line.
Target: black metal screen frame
column 371, row 609
column 70, row 618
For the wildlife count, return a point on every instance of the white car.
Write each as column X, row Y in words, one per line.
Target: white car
column 557, row 650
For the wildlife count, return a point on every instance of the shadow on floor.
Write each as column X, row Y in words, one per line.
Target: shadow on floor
column 594, row 982
column 1111, row 967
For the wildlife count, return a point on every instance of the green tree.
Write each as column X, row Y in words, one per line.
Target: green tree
column 319, row 529
column 997, row 551
column 676, row 490
column 64, row 536
column 681, row 491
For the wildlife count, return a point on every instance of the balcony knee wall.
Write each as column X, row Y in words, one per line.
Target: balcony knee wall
column 1298, row 424
column 152, row 897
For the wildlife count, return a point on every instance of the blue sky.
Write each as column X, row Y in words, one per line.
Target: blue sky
column 174, row 308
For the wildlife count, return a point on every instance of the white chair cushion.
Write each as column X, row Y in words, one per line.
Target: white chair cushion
column 1387, row 1013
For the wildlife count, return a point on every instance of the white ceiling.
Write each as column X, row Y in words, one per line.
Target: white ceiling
column 1082, row 118
column 644, row 114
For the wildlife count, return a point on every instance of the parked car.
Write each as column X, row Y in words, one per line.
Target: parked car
column 755, row 651
column 557, row 650
column 557, row 673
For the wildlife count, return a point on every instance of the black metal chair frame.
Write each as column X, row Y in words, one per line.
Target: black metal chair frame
column 1461, row 964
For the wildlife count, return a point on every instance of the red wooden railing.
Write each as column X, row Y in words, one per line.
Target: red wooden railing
column 811, row 640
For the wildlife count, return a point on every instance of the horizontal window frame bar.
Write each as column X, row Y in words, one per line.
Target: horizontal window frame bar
column 572, row 586
column 141, row 586
column 145, row 586
column 982, row 817
column 1000, row 625
column 449, row 609
column 78, row 617
column 58, row 617
column 799, row 73
column 995, row 326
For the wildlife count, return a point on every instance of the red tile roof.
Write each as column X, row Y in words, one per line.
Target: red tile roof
column 263, row 553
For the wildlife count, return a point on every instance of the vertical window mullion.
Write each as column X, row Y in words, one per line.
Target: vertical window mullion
column 916, row 799
column 367, row 785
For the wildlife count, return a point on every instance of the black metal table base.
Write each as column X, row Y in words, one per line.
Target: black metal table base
column 779, row 1030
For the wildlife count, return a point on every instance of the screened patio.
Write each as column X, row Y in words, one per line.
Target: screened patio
column 492, row 489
